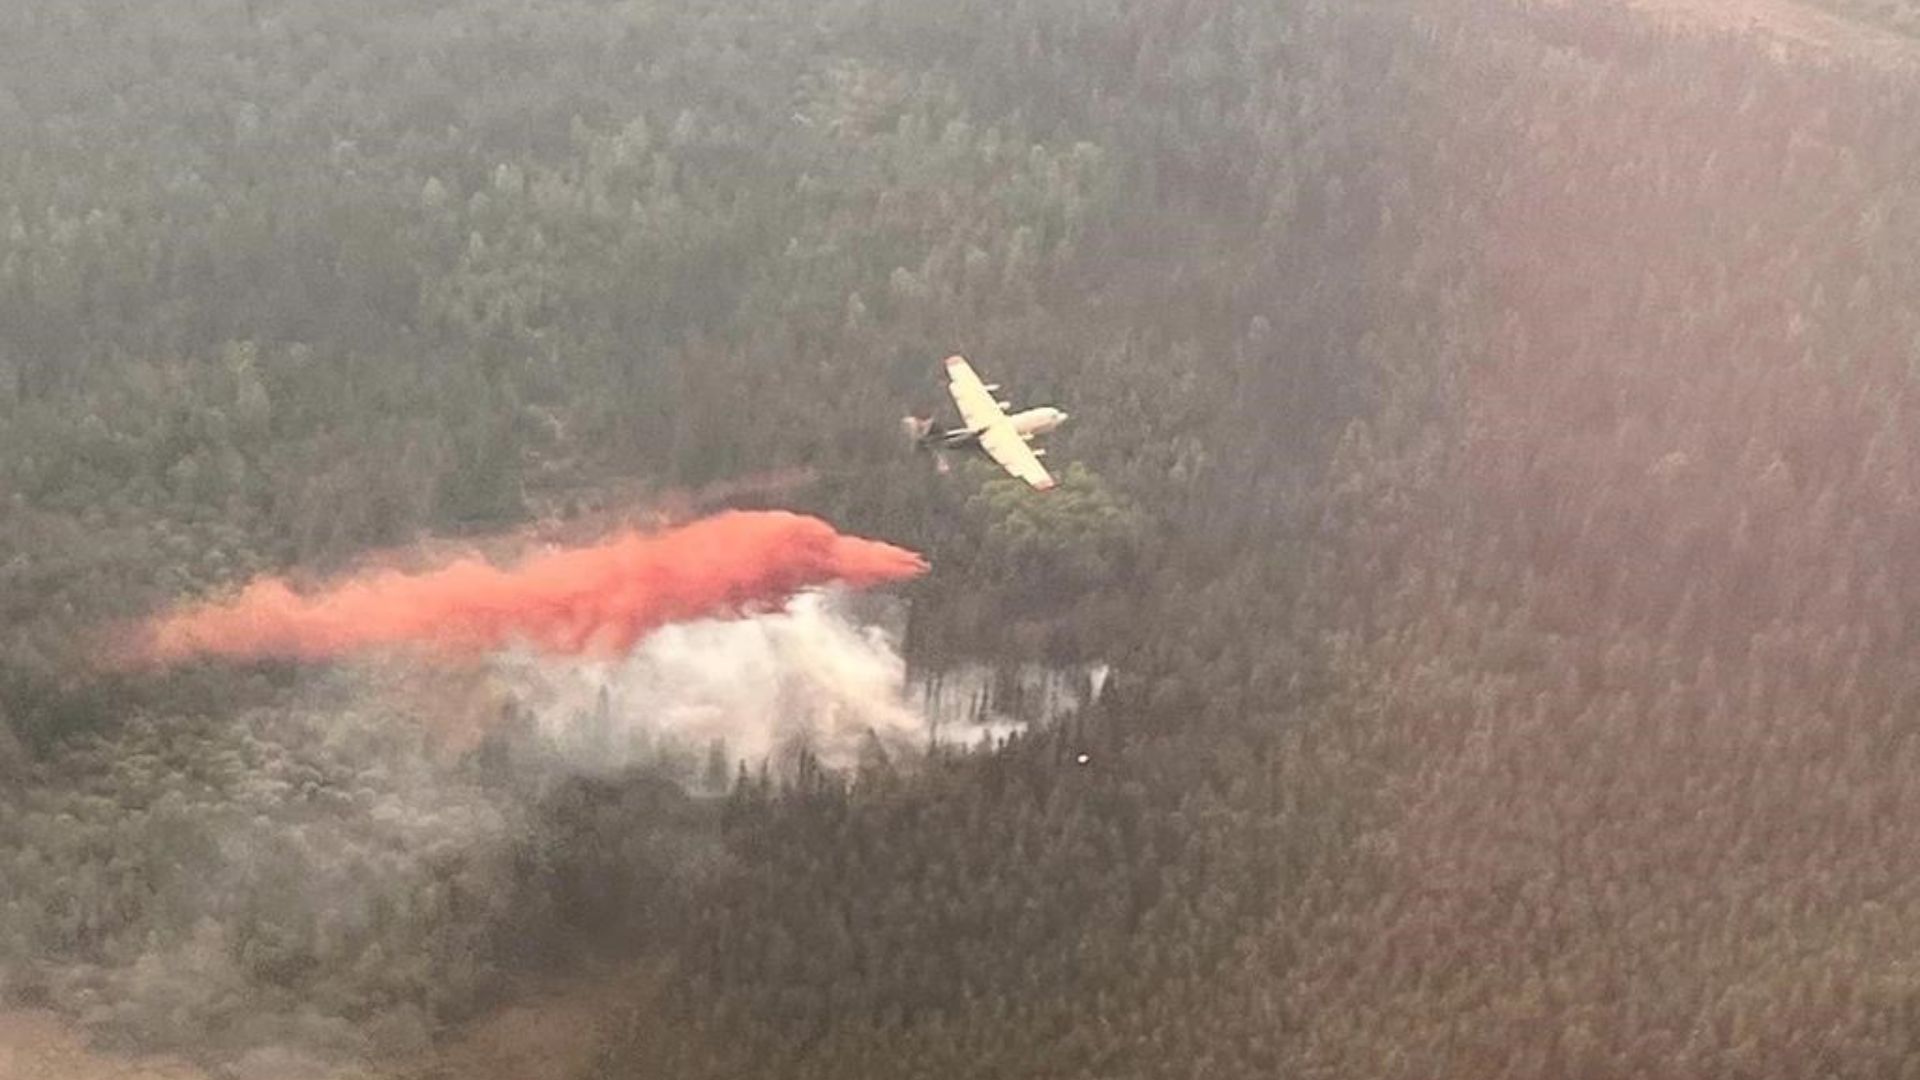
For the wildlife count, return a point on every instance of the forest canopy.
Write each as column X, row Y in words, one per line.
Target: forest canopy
column 1491, row 481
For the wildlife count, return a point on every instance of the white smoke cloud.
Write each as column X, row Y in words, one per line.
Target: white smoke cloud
column 347, row 850
column 808, row 675
column 969, row 703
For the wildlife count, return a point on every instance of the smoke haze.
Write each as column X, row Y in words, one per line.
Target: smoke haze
column 762, row 687
column 281, row 865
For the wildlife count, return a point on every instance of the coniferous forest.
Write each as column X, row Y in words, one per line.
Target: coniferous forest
column 1494, row 481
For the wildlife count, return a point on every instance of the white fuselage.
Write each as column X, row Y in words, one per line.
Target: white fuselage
column 1027, row 423
column 1037, row 421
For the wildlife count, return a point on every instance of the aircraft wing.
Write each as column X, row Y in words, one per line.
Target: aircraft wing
column 980, row 411
column 978, row 408
column 1014, row 455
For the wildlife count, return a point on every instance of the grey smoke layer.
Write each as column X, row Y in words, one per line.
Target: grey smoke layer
column 328, row 878
column 762, row 688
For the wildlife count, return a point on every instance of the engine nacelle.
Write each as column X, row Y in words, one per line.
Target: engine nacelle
column 992, row 386
column 1039, row 452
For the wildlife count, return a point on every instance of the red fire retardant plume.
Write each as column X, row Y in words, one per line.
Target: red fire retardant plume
column 599, row 599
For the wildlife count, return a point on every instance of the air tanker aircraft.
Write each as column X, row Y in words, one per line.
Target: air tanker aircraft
column 988, row 425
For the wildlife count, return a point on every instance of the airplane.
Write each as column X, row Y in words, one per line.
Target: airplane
column 1004, row 437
